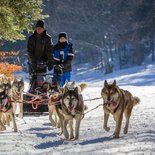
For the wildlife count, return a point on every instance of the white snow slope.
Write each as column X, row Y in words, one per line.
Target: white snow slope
column 37, row 136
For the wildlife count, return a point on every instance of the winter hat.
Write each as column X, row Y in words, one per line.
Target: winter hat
column 40, row 23
column 63, row 34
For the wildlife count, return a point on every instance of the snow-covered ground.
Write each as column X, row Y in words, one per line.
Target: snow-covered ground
column 37, row 136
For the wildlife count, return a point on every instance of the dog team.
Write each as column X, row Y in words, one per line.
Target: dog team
column 66, row 105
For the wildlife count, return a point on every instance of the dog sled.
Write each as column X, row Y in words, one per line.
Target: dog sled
column 35, row 101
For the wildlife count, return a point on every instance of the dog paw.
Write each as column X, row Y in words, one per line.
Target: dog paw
column 58, row 126
column 2, row 128
column 20, row 116
column 107, row 129
column 66, row 136
column 53, row 123
column 125, row 131
column 72, row 138
column 15, row 130
column 76, row 138
column 60, row 133
column 115, row 136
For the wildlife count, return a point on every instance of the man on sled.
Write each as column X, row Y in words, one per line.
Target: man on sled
column 40, row 52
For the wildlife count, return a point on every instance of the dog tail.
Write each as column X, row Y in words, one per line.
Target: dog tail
column 84, row 109
column 83, row 86
column 136, row 101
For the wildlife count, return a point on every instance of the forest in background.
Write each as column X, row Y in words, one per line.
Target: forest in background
column 107, row 34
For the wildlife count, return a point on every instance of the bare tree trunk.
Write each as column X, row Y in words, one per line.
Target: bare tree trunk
column 108, row 66
column 153, row 50
column 119, row 50
column 110, row 49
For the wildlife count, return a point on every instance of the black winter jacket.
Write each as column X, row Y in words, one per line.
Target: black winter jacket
column 41, row 51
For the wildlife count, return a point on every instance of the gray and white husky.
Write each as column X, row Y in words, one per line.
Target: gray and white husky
column 72, row 107
column 17, row 95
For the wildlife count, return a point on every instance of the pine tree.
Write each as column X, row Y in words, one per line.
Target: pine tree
column 17, row 16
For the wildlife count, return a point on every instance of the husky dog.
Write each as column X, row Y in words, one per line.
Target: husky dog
column 73, row 85
column 66, row 104
column 5, row 118
column 116, row 102
column 72, row 108
column 17, row 95
column 6, row 109
column 54, row 93
column 7, row 84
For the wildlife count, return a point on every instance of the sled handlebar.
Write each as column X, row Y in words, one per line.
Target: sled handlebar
column 42, row 74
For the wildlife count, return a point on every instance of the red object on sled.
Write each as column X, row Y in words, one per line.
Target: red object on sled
column 35, row 101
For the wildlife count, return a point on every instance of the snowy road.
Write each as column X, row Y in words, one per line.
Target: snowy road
column 36, row 135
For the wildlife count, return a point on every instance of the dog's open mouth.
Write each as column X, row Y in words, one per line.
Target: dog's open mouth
column 18, row 93
column 113, row 103
column 54, row 99
column 72, row 110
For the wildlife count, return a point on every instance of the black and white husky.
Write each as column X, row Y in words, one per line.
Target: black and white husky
column 6, row 108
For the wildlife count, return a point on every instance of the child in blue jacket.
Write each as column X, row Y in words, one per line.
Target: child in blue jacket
column 63, row 56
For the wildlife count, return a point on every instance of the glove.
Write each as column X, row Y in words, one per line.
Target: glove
column 65, row 65
column 59, row 67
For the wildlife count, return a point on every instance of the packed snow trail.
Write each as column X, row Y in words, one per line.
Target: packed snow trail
column 37, row 136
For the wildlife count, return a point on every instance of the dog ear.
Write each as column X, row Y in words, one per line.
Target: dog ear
column 49, row 87
column 73, row 83
column 61, row 90
column 66, row 83
column 76, row 90
column 65, row 89
column 15, row 79
column 105, row 83
column 114, row 83
column 57, row 84
column 21, row 79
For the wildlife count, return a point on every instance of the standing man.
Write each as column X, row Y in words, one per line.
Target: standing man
column 63, row 56
column 40, row 51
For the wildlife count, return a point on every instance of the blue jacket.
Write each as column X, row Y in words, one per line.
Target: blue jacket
column 63, row 55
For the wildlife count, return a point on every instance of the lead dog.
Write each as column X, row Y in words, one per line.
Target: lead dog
column 72, row 109
column 116, row 102
column 69, row 107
